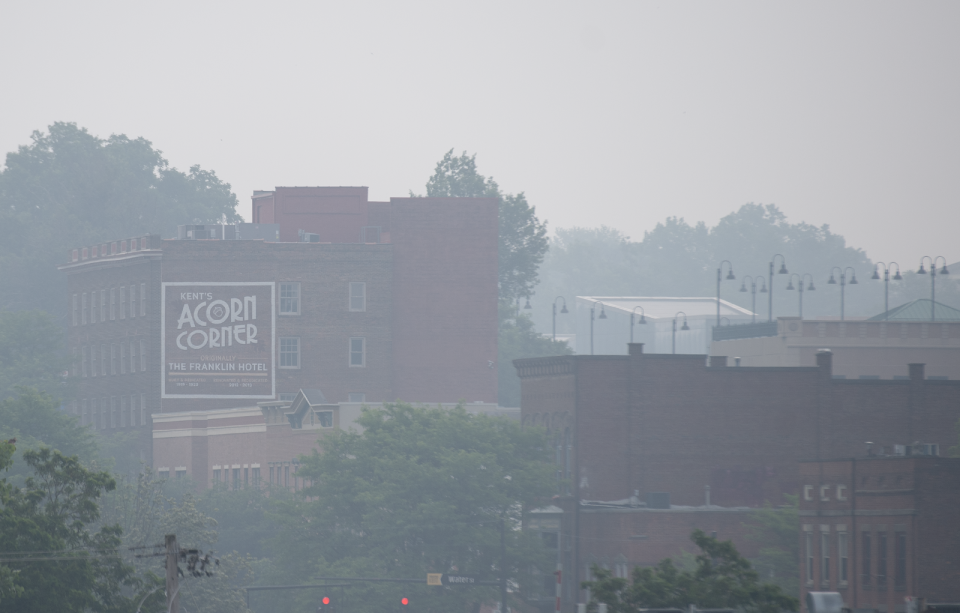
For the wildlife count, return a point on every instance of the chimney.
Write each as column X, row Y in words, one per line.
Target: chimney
column 706, row 494
column 717, row 361
column 825, row 361
column 635, row 348
column 916, row 372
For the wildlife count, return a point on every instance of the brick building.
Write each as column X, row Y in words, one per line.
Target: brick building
column 655, row 423
column 877, row 529
column 370, row 301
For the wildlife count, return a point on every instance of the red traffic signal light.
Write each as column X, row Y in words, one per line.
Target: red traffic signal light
column 404, row 601
column 326, row 600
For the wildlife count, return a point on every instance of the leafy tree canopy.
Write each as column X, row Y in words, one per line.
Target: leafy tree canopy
column 69, row 188
column 31, row 353
column 523, row 237
column 51, row 516
column 721, row 578
column 776, row 529
column 419, row 490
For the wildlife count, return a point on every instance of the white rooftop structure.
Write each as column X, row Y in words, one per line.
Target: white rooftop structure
column 611, row 334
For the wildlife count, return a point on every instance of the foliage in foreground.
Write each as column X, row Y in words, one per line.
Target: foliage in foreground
column 776, row 529
column 420, row 490
column 721, row 578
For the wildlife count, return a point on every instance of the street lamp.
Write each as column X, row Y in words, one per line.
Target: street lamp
column 633, row 313
column 563, row 311
column 886, row 282
column 753, row 290
column 800, row 284
column 603, row 315
column 933, row 279
column 843, row 282
column 782, row 271
column 684, row 327
column 730, row 277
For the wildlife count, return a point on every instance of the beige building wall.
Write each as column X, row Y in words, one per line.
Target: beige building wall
column 861, row 349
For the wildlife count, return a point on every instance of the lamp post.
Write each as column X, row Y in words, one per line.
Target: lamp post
column 753, row 290
column 800, row 279
column 782, row 271
column 843, row 282
column 886, row 282
column 603, row 315
column 684, row 327
column 563, row 311
column 633, row 313
column 933, row 280
column 730, row 277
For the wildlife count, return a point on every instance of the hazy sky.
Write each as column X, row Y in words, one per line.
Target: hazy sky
column 615, row 113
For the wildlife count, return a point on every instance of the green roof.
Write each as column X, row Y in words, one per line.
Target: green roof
column 919, row 310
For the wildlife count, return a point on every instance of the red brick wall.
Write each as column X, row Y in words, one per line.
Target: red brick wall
column 445, row 298
column 325, row 324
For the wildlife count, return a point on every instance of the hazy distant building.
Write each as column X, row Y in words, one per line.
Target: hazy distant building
column 876, row 348
column 877, row 529
column 655, row 425
column 653, row 322
column 371, row 301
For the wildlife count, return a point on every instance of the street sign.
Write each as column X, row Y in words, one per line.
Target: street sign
column 445, row 579
column 459, row 580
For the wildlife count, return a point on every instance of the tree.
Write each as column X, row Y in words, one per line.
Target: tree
column 69, row 188
column 519, row 339
column 50, row 518
column 32, row 353
column 722, row 578
column 776, row 529
column 35, row 420
column 523, row 237
column 419, row 490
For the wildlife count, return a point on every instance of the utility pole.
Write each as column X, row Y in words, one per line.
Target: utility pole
column 503, row 569
column 173, row 597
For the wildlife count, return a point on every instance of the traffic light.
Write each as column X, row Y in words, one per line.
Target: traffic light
column 326, row 605
column 403, row 604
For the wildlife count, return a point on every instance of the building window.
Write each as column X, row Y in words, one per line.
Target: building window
column 93, row 307
column 290, row 352
column 123, row 302
column 216, row 477
column 113, row 412
column 356, row 397
column 94, row 365
column 113, row 303
column 103, row 360
column 103, row 305
column 113, row 359
column 75, row 307
column 842, row 556
column 83, row 306
column 83, row 412
column 83, row 361
column 271, row 474
column 825, row 558
column 358, row 296
column 143, row 299
column 808, row 552
column 236, row 478
column 289, row 298
column 133, row 356
column 143, row 409
column 133, row 300
column 866, row 560
column 181, row 474
column 163, row 473
column 123, row 411
column 256, row 477
column 881, row 560
column 286, row 475
column 325, row 419
column 900, row 561
column 143, row 356
column 123, row 358
column 357, row 352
